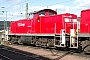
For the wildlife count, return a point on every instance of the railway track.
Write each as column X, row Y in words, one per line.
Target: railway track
column 60, row 54
column 7, row 53
column 55, row 52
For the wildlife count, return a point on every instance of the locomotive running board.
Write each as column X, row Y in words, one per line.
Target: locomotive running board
column 33, row 34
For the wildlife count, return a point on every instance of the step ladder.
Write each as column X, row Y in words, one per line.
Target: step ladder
column 61, row 39
column 73, row 39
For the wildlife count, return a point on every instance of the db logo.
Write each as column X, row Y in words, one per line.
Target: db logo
column 21, row 24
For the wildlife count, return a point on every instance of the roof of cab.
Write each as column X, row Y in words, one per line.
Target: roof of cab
column 45, row 10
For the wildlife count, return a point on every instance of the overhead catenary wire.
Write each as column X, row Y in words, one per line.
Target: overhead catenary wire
column 17, row 4
column 33, row 1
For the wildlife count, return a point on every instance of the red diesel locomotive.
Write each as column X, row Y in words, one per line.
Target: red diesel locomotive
column 46, row 28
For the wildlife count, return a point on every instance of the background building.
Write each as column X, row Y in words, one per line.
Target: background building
column 2, row 31
column 2, row 24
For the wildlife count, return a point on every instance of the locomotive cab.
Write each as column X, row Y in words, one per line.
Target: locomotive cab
column 46, row 12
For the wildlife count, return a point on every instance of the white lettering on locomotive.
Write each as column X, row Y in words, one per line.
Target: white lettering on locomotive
column 21, row 24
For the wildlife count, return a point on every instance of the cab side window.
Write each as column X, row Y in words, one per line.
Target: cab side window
column 51, row 13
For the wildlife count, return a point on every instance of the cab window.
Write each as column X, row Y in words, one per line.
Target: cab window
column 42, row 13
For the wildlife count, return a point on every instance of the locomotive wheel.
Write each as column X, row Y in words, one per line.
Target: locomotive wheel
column 50, row 43
column 86, row 49
column 38, row 42
column 44, row 42
column 19, row 41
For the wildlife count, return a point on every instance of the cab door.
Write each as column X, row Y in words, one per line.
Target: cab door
column 38, row 29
